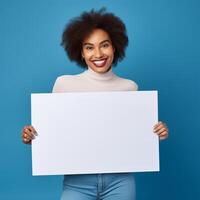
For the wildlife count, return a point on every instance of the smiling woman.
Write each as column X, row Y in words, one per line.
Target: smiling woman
column 96, row 41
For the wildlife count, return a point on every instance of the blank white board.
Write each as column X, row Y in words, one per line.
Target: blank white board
column 94, row 132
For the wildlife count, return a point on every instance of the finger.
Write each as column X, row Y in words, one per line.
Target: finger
column 163, row 137
column 160, row 127
column 163, row 134
column 26, row 127
column 24, row 130
column 159, row 131
column 26, row 141
column 161, row 124
column 27, row 137
column 158, row 124
column 29, row 133
column 156, row 129
column 33, row 130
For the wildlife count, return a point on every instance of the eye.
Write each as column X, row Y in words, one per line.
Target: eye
column 105, row 45
column 88, row 47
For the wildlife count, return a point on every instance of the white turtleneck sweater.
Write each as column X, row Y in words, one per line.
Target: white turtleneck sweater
column 91, row 81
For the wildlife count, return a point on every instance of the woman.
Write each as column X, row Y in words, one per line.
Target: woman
column 96, row 41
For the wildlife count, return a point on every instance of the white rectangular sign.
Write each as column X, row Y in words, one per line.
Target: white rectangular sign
column 94, row 132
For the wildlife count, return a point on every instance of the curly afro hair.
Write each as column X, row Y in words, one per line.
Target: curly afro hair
column 80, row 27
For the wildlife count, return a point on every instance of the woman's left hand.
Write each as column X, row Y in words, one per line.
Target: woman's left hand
column 161, row 130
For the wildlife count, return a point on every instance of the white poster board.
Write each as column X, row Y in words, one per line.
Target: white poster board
column 94, row 132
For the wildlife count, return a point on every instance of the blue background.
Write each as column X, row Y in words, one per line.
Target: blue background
column 163, row 54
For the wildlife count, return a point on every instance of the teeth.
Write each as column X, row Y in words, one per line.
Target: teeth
column 99, row 62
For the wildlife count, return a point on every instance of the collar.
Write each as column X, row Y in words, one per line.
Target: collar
column 99, row 76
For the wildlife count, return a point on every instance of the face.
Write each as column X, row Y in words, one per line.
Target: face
column 97, row 51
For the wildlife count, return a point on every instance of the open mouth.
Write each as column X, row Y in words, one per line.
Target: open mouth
column 99, row 63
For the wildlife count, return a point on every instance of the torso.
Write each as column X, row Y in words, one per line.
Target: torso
column 90, row 81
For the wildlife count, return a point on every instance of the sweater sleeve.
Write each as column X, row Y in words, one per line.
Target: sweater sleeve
column 57, row 85
column 132, row 85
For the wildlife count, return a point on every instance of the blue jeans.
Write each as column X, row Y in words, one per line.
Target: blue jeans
column 110, row 186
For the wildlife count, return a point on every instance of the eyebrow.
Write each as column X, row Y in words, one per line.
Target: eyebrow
column 100, row 42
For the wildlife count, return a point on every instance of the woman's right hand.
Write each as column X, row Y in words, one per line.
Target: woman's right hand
column 28, row 134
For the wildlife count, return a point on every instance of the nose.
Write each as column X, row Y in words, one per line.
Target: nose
column 98, row 53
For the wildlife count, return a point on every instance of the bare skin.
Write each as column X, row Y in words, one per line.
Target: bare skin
column 28, row 134
column 98, row 51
